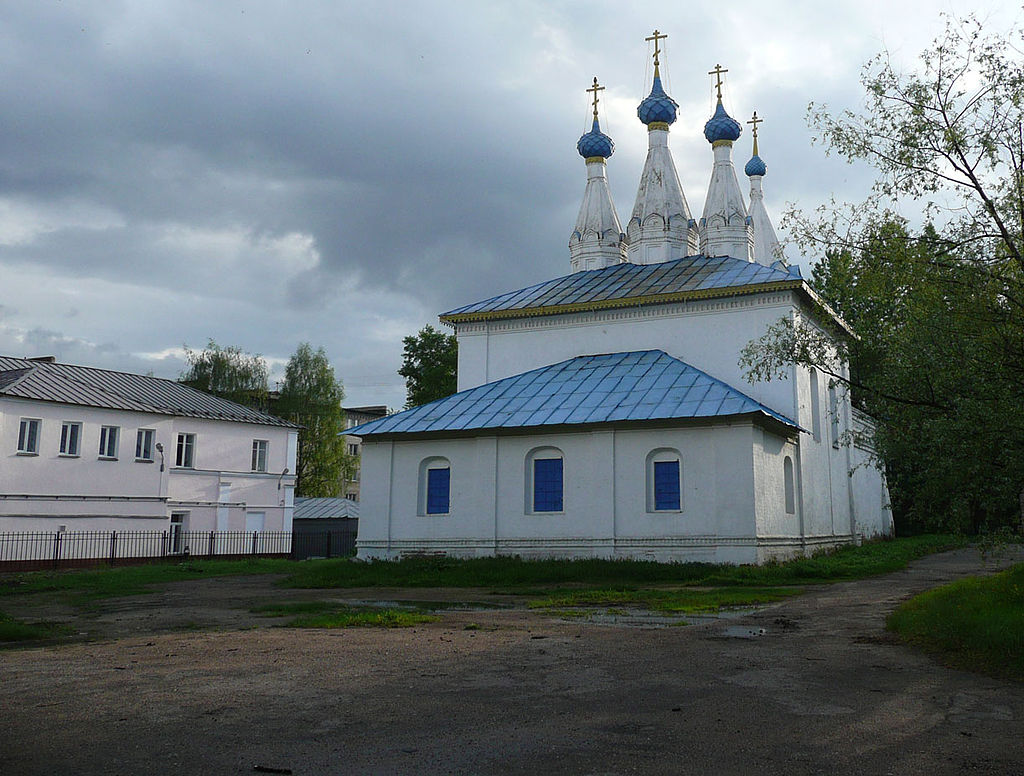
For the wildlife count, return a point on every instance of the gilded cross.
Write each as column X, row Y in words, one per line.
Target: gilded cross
column 595, row 89
column 717, row 73
column 755, row 121
column 656, row 37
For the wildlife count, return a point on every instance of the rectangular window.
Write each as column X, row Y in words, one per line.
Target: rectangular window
column 352, row 496
column 666, row 485
column 547, row 485
column 108, row 442
column 353, row 449
column 185, row 457
column 259, row 455
column 438, row 491
column 71, row 439
column 144, row 444
column 28, row 436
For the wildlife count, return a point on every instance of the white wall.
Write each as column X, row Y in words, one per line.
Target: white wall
column 706, row 334
column 45, row 491
column 605, row 496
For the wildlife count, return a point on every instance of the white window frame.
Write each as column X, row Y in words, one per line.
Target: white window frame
column 140, row 449
column 110, row 439
column 185, row 451
column 533, row 455
column 353, row 448
column 260, row 446
column 66, row 450
column 433, row 462
column 662, row 454
column 29, row 432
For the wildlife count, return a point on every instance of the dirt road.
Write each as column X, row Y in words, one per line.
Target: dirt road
column 824, row 690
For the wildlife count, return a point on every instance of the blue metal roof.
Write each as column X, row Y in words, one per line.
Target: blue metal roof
column 657, row 106
column 627, row 281
column 722, row 126
column 641, row 385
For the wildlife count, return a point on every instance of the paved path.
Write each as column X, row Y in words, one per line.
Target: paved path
column 823, row 691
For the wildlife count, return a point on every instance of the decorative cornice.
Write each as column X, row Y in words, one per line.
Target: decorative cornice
column 631, row 301
column 718, row 143
column 595, row 160
column 654, row 125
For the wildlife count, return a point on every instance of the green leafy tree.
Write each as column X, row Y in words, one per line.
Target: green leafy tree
column 429, row 365
column 227, row 372
column 938, row 309
column 311, row 397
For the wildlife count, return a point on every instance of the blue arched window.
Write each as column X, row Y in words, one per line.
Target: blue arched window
column 545, row 483
column 435, row 486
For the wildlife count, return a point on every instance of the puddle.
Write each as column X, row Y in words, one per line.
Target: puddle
column 430, row 606
column 645, row 618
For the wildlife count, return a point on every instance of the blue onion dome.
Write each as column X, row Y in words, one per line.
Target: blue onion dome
column 658, row 106
column 755, row 166
column 595, row 143
column 722, row 126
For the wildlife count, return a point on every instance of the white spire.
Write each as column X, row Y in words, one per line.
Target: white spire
column 597, row 240
column 767, row 249
column 661, row 227
column 725, row 229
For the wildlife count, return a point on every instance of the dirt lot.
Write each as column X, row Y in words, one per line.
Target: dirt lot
column 823, row 690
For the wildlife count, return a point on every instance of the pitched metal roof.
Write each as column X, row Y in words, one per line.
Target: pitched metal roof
column 635, row 386
column 631, row 284
column 324, row 508
column 89, row 387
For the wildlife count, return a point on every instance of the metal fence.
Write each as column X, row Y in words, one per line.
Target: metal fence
column 48, row 549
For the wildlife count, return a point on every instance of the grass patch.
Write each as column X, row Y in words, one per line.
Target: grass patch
column 326, row 614
column 676, row 601
column 136, row 580
column 361, row 617
column 15, row 630
column 510, row 574
column 975, row 623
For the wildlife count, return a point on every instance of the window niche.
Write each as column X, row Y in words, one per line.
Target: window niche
column 544, row 480
column 664, row 480
column 790, row 485
column 435, row 486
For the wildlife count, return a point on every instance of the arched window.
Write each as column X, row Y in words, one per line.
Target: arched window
column 833, row 413
column 544, row 480
column 435, row 480
column 815, row 407
column 664, row 480
column 787, row 467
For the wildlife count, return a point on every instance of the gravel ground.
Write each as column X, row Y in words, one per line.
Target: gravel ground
column 186, row 681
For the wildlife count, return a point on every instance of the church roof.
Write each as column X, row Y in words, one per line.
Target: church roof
column 631, row 284
column 647, row 385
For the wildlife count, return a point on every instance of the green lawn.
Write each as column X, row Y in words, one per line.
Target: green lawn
column 559, row 584
column 975, row 623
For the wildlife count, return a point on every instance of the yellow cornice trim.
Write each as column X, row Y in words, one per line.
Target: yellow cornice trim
column 595, row 159
column 657, row 125
column 631, row 301
column 718, row 143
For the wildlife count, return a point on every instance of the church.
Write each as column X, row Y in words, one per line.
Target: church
column 605, row 414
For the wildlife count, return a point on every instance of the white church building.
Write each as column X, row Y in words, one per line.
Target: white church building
column 605, row 414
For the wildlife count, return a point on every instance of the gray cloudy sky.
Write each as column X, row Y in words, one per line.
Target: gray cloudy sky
column 265, row 173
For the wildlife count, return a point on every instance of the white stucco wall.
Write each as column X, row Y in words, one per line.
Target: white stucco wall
column 707, row 334
column 605, row 496
column 46, row 491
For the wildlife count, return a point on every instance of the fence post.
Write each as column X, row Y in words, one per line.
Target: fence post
column 255, row 535
column 56, row 549
column 213, row 538
column 113, row 546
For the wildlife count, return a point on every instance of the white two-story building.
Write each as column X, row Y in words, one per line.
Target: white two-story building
column 85, row 449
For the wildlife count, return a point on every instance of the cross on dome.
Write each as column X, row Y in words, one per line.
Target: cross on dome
column 657, row 36
column 717, row 73
column 754, row 122
column 595, row 89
